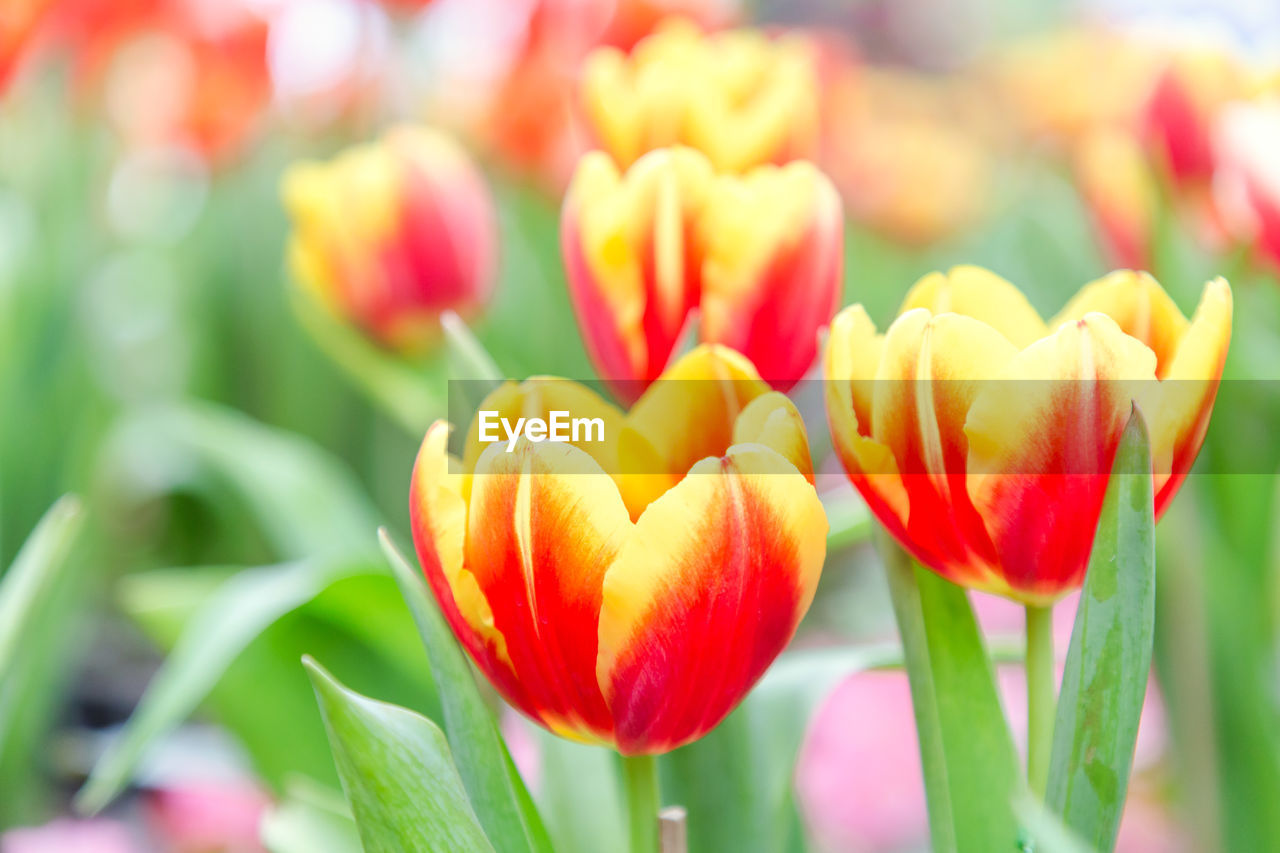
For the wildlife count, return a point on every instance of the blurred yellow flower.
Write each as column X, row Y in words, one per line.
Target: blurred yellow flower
column 910, row 154
column 740, row 97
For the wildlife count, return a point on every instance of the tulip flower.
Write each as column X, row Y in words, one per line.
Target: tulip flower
column 1247, row 181
column 758, row 255
column 998, row 485
column 737, row 96
column 628, row 591
column 391, row 233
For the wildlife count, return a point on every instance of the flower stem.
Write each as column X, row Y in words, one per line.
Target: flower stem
column 1040, row 696
column 641, row 779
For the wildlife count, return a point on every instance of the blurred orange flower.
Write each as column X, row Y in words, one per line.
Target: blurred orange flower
column 525, row 108
column 169, row 71
column 19, row 26
column 391, row 233
column 910, row 153
column 633, row 617
column 1061, row 86
column 759, row 256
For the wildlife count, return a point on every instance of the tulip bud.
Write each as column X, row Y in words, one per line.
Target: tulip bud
column 391, row 233
column 633, row 617
column 739, row 97
column 982, row 437
column 759, row 256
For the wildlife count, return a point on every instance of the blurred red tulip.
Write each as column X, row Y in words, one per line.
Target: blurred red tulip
column 1179, row 118
column 170, row 72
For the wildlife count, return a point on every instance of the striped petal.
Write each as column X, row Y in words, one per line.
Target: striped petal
column 544, row 523
column 1186, row 394
column 772, row 273
column 631, row 259
column 709, row 589
column 1040, row 449
column 850, row 365
column 438, row 516
column 931, row 370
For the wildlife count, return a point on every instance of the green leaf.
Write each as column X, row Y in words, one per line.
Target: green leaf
column 307, row 502
column 1048, row 830
column 310, row 818
column 500, row 797
column 242, row 608
column 34, row 573
column 1105, row 680
column 43, row 603
column 970, row 767
column 398, row 774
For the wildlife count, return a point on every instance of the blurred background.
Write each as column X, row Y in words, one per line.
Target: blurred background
column 234, row 449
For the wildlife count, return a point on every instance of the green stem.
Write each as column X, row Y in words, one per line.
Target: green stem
column 640, row 773
column 1040, row 696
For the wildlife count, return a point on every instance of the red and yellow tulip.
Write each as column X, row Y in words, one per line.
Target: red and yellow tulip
column 628, row 591
column 997, row 485
column 741, row 98
column 390, row 234
column 758, row 255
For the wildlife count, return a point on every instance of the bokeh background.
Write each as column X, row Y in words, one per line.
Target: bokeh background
column 156, row 360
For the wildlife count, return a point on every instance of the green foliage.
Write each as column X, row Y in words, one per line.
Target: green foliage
column 399, row 777
column 970, row 767
column 1105, row 680
column 499, row 795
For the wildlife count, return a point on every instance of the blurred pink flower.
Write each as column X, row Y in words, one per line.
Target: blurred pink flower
column 68, row 835
column 207, row 816
column 858, row 777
